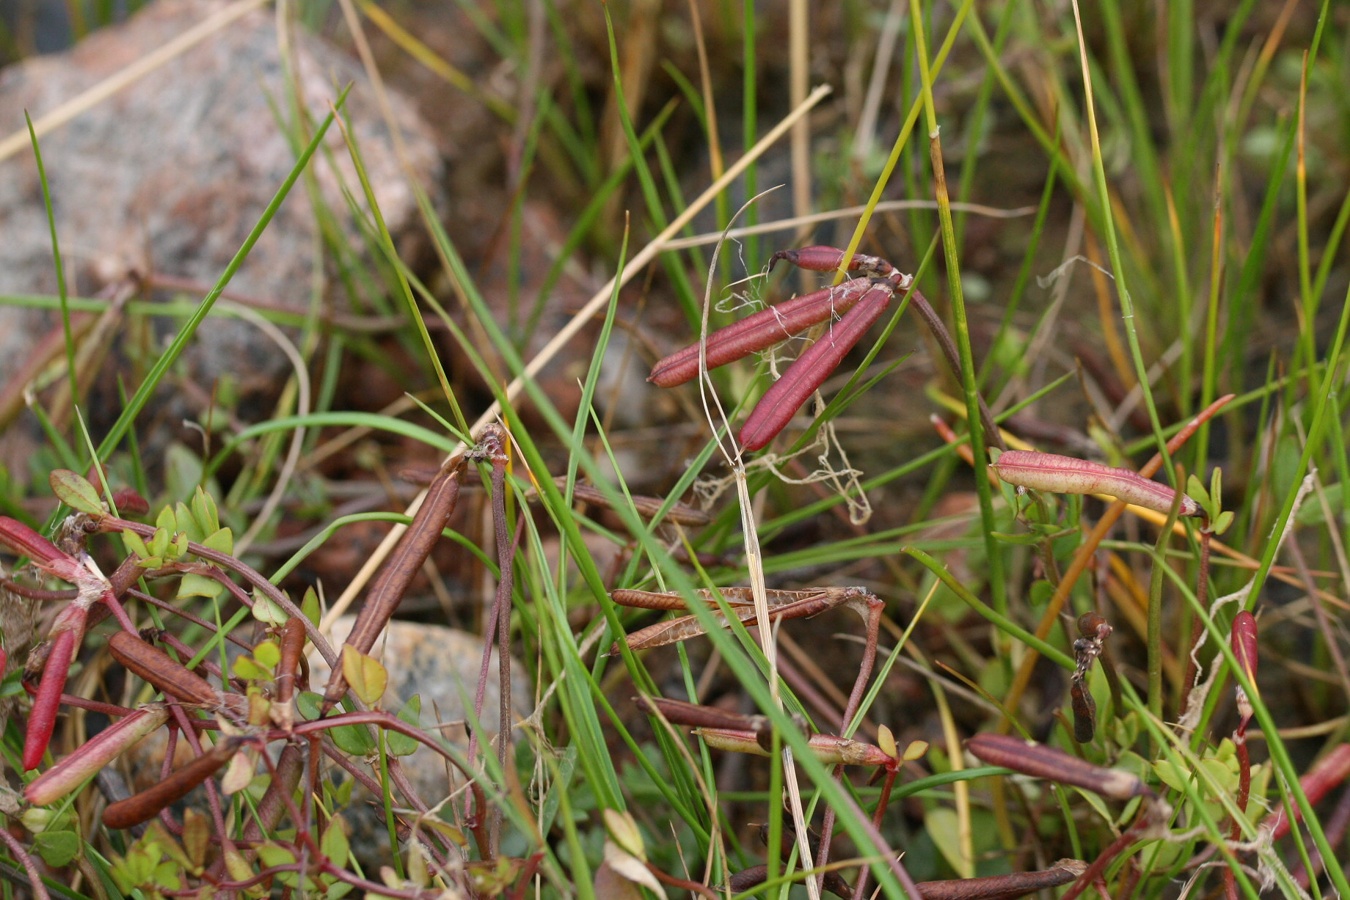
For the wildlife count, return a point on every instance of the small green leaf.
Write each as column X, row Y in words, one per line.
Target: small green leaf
column 247, row 668
column 274, row 855
column 1197, row 492
column 353, row 740
column 334, row 842
column 308, row 703
column 266, row 611
column 1172, row 775
column 132, row 541
column 166, row 521
column 268, row 654
column 169, row 876
column 365, row 675
column 309, row 605
column 187, row 524
column 57, row 848
column 221, row 540
column 193, row 585
column 204, row 511
column 411, row 712
column 75, row 491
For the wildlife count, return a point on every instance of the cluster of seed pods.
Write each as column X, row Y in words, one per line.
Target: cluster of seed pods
column 855, row 304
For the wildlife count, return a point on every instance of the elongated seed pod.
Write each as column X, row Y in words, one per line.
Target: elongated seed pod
column 1243, row 639
column 147, row 804
column 830, row 749
column 1070, row 475
column 160, row 670
column 1055, row 765
column 682, row 712
column 826, row 259
column 782, row 400
column 403, row 564
column 292, row 656
column 1316, row 783
column 760, row 331
column 94, row 754
column 42, row 720
column 635, row 599
column 21, row 539
column 1084, row 712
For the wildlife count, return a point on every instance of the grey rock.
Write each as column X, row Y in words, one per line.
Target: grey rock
column 171, row 173
column 441, row 665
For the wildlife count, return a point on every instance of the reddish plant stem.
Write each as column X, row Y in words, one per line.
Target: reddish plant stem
column 878, row 814
column 993, row 436
column 1098, row 867
column 247, row 572
column 29, row 866
column 682, row 884
column 493, row 446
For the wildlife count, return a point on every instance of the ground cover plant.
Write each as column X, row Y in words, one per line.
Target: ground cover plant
column 1049, row 396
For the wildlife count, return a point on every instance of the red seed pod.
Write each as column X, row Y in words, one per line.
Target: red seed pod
column 81, row 765
column 1243, row 637
column 1070, row 475
column 47, row 703
column 759, row 331
column 129, row 502
column 22, row 539
column 1317, row 782
column 292, row 653
column 781, row 401
column 827, row 259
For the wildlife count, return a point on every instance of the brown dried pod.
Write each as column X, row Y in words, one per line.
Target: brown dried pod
column 160, row 670
column 1041, row 761
column 148, row 803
